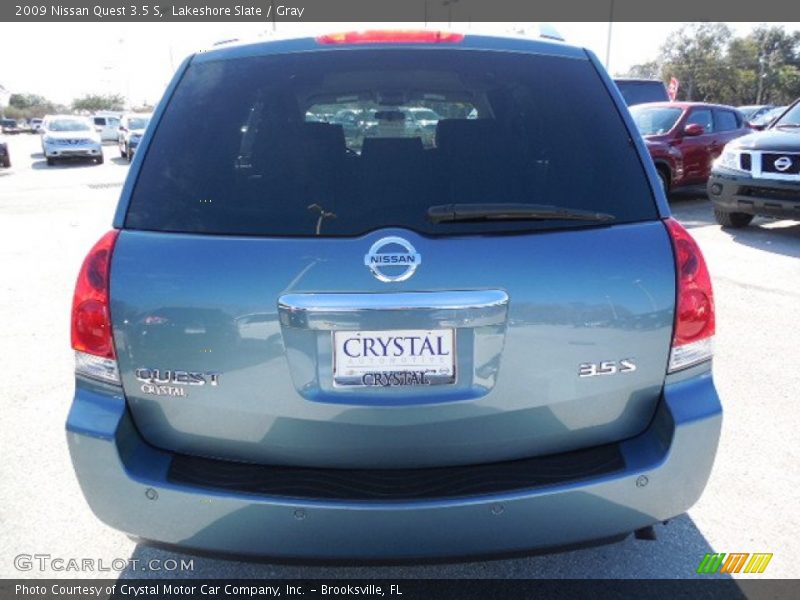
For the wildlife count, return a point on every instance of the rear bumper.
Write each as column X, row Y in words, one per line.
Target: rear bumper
column 125, row 482
column 731, row 192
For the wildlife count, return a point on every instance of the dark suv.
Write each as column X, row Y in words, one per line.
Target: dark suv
column 759, row 174
column 639, row 91
column 304, row 342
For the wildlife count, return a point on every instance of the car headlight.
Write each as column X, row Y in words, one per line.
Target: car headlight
column 734, row 159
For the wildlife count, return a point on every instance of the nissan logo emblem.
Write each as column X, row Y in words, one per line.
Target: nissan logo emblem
column 783, row 163
column 392, row 259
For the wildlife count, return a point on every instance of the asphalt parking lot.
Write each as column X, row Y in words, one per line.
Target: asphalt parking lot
column 50, row 216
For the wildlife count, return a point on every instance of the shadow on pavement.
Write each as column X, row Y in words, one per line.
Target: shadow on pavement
column 71, row 163
column 769, row 235
column 676, row 554
column 762, row 234
column 692, row 209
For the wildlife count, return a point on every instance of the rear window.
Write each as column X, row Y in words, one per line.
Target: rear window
column 726, row 120
column 639, row 92
column 340, row 143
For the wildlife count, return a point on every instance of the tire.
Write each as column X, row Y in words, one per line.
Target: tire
column 100, row 159
column 665, row 180
column 50, row 161
column 734, row 220
column 6, row 161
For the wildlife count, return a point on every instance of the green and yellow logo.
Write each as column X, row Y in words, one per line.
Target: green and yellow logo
column 735, row 562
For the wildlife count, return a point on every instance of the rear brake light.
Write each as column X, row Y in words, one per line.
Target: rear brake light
column 694, row 311
column 91, row 317
column 381, row 36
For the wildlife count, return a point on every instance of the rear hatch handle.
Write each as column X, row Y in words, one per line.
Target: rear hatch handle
column 467, row 308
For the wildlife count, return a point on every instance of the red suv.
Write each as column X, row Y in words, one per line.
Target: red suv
column 684, row 138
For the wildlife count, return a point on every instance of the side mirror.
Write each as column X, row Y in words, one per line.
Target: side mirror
column 693, row 129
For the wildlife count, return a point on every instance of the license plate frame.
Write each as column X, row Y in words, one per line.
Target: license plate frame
column 432, row 366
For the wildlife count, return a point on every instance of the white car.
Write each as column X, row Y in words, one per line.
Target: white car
column 69, row 136
column 131, row 130
column 106, row 126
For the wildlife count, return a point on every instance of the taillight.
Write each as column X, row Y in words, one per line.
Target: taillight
column 694, row 311
column 91, row 317
column 381, row 36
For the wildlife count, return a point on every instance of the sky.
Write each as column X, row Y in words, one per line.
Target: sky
column 63, row 61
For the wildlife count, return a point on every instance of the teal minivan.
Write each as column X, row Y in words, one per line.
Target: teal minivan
column 305, row 342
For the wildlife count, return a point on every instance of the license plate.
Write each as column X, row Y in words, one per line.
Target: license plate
column 394, row 358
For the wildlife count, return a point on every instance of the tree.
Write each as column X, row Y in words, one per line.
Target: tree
column 96, row 102
column 696, row 55
column 712, row 65
column 648, row 70
column 28, row 106
column 775, row 57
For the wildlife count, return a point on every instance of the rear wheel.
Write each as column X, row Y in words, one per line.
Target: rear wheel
column 734, row 220
column 663, row 175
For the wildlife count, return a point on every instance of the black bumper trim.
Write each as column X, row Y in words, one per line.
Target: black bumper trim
column 755, row 196
column 396, row 484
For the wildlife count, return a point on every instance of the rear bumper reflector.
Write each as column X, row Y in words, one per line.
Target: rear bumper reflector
column 97, row 367
column 687, row 355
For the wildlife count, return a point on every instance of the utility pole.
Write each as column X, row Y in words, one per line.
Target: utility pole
column 608, row 40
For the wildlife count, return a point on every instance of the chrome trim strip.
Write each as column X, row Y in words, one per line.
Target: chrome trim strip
column 455, row 300
column 468, row 308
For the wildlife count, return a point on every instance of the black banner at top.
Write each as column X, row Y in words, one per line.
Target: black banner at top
column 410, row 11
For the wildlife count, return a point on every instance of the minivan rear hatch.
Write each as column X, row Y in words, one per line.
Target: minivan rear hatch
column 311, row 273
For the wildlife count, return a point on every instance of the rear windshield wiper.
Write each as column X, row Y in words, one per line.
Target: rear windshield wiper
column 455, row 213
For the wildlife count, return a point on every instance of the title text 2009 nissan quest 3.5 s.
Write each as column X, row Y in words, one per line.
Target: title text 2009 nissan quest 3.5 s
column 392, row 295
